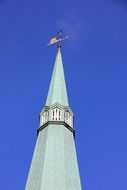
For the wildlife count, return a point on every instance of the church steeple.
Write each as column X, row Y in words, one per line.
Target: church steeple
column 54, row 165
column 57, row 90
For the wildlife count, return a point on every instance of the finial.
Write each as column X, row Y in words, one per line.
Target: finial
column 59, row 46
column 57, row 39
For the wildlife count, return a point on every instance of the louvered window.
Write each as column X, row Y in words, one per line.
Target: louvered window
column 44, row 118
column 67, row 117
column 56, row 114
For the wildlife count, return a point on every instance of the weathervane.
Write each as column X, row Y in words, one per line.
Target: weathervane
column 57, row 39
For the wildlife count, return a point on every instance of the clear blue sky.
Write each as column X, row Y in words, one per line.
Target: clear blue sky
column 95, row 64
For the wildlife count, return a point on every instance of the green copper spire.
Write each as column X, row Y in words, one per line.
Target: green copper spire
column 57, row 90
column 54, row 165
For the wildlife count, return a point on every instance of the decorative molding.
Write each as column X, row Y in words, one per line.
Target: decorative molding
column 57, row 123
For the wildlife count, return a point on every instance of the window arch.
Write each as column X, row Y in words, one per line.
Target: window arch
column 56, row 114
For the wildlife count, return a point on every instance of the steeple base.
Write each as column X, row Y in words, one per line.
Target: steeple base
column 54, row 164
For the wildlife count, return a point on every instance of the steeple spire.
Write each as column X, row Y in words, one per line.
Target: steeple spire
column 57, row 90
column 54, row 165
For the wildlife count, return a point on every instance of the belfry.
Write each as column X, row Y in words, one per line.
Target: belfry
column 54, row 165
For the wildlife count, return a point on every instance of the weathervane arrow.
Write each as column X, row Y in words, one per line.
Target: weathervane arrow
column 57, row 39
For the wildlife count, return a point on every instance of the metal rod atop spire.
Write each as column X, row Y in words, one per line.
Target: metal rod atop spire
column 58, row 39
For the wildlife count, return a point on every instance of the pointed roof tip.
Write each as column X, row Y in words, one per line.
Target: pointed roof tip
column 57, row 91
column 59, row 47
